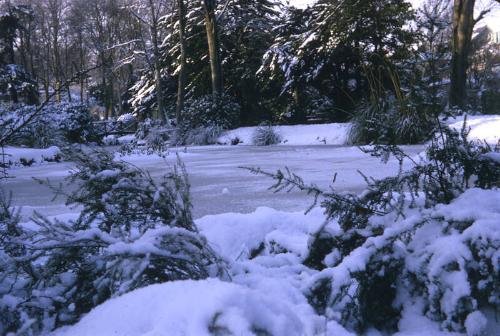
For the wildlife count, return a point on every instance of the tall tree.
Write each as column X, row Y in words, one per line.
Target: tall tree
column 181, row 81
column 463, row 27
column 155, row 8
column 211, row 27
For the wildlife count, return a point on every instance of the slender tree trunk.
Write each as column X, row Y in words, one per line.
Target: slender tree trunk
column 81, row 53
column 463, row 24
column 181, row 86
column 213, row 46
column 299, row 113
column 106, row 83
column 110, row 92
column 160, row 113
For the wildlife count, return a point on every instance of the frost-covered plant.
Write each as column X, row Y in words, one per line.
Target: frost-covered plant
column 54, row 125
column 16, row 85
column 204, row 119
column 151, row 137
column 200, row 136
column 131, row 232
column 265, row 135
column 205, row 111
column 402, row 235
column 397, row 113
column 389, row 121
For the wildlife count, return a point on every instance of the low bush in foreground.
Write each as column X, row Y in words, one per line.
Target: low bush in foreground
column 426, row 237
column 131, row 232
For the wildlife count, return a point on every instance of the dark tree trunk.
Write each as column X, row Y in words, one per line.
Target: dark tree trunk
column 213, row 46
column 181, row 85
column 463, row 24
column 160, row 112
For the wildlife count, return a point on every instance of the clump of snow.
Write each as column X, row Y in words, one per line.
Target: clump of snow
column 16, row 156
column 236, row 235
column 298, row 135
column 191, row 308
column 475, row 324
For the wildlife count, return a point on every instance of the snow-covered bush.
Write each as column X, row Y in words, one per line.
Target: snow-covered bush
column 265, row 135
column 204, row 118
column 151, row 137
column 131, row 232
column 54, row 125
column 389, row 121
column 427, row 235
column 17, row 86
column 200, row 136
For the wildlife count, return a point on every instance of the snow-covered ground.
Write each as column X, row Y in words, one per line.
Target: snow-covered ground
column 266, row 292
column 15, row 156
column 237, row 213
column 297, row 135
column 484, row 127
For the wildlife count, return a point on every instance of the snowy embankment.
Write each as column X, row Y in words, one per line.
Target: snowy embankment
column 15, row 156
column 296, row 135
column 265, row 251
column 482, row 127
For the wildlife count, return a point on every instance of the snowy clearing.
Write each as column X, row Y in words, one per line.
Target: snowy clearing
column 15, row 156
column 264, row 237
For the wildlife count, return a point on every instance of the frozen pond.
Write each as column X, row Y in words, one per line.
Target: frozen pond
column 219, row 185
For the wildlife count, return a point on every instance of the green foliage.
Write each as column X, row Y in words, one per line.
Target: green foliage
column 389, row 121
column 328, row 46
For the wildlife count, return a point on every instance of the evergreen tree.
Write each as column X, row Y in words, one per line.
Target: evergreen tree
column 16, row 84
column 339, row 42
column 246, row 34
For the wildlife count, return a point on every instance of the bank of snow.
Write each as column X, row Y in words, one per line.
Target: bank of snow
column 296, row 135
column 208, row 307
column 17, row 156
column 482, row 127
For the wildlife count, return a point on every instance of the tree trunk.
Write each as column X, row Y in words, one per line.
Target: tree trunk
column 463, row 24
column 82, row 66
column 213, row 46
column 181, row 82
column 299, row 113
column 160, row 112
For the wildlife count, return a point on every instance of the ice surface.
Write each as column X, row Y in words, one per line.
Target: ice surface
column 216, row 168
